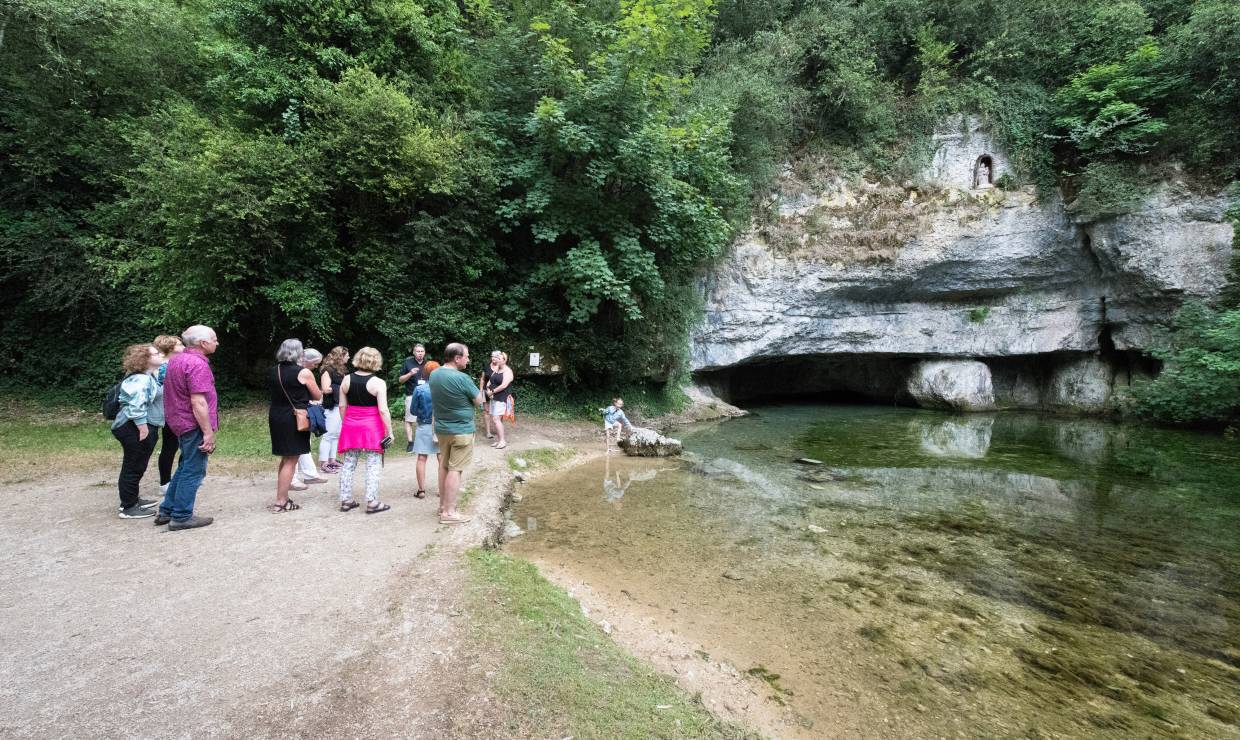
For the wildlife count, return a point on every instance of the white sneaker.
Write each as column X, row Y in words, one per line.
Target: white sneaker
column 163, row 490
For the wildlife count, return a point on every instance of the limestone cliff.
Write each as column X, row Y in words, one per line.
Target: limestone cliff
column 890, row 290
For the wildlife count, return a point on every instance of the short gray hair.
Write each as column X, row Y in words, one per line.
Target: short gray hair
column 311, row 356
column 195, row 334
column 290, row 351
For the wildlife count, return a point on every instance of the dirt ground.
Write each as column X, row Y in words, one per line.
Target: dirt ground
column 311, row 623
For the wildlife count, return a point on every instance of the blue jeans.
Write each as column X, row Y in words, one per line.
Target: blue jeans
column 183, row 488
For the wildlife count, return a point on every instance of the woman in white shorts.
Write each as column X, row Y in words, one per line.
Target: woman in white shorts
column 425, row 443
column 498, row 388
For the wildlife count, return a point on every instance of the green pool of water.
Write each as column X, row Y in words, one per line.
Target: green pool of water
column 1005, row 575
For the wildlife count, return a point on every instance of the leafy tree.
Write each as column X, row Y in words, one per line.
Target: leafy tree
column 610, row 191
column 1107, row 108
column 1204, row 55
column 553, row 172
column 70, row 74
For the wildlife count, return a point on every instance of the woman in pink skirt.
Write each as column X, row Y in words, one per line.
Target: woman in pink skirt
column 366, row 423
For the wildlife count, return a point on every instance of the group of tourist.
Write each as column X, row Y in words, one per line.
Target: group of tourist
column 169, row 389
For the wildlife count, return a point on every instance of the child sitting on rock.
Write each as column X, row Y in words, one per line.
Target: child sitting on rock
column 614, row 419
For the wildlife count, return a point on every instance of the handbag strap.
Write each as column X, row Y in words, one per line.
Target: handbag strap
column 280, row 380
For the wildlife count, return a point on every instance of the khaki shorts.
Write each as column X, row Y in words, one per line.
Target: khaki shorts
column 408, row 416
column 456, row 450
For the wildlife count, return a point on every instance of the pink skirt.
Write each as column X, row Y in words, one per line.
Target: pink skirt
column 362, row 429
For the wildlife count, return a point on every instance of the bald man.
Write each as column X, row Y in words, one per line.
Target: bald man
column 191, row 410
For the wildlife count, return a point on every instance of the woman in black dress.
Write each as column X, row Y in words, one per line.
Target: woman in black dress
column 292, row 387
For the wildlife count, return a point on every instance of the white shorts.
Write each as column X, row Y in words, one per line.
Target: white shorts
column 499, row 408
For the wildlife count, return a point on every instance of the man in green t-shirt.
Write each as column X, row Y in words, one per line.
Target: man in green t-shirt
column 454, row 397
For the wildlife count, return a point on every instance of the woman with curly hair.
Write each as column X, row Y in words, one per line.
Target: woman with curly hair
column 334, row 370
column 137, row 425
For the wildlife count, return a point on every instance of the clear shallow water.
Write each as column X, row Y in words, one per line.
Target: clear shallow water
column 998, row 576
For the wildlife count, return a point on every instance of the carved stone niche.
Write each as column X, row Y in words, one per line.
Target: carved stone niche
column 984, row 172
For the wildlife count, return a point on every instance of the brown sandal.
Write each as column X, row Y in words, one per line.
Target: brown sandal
column 287, row 506
column 420, row 494
column 348, row 505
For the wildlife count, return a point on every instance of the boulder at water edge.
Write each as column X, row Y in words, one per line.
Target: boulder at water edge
column 642, row 442
column 957, row 385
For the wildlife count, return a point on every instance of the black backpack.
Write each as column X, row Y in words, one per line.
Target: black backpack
column 112, row 399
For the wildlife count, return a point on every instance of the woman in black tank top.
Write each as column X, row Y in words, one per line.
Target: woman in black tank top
column 358, row 395
column 498, row 389
column 329, row 382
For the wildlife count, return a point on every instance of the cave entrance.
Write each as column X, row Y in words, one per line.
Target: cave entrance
column 984, row 172
column 858, row 378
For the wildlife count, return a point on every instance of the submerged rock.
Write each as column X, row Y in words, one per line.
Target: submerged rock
column 642, row 442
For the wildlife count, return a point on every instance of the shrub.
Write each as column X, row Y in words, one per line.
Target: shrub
column 1201, row 380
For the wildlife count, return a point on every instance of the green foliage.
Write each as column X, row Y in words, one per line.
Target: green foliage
column 979, row 314
column 1201, row 380
column 1203, row 54
column 613, row 189
column 1108, row 189
column 1106, row 108
column 554, row 172
column 850, row 90
column 935, row 63
column 553, row 398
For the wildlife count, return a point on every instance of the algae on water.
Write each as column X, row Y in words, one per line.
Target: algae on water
column 1063, row 577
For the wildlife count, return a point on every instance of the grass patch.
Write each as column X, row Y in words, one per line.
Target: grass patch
column 873, row 632
column 541, row 457
column 33, row 438
column 560, row 675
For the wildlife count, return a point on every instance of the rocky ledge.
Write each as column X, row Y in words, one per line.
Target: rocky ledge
column 952, row 293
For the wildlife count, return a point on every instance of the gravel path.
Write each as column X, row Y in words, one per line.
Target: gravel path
column 314, row 622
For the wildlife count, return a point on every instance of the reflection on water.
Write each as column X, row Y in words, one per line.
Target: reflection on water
column 967, row 437
column 998, row 575
column 617, row 479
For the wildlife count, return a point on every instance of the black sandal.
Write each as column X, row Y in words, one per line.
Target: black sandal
column 348, row 505
column 377, row 509
column 289, row 505
column 420, row 494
